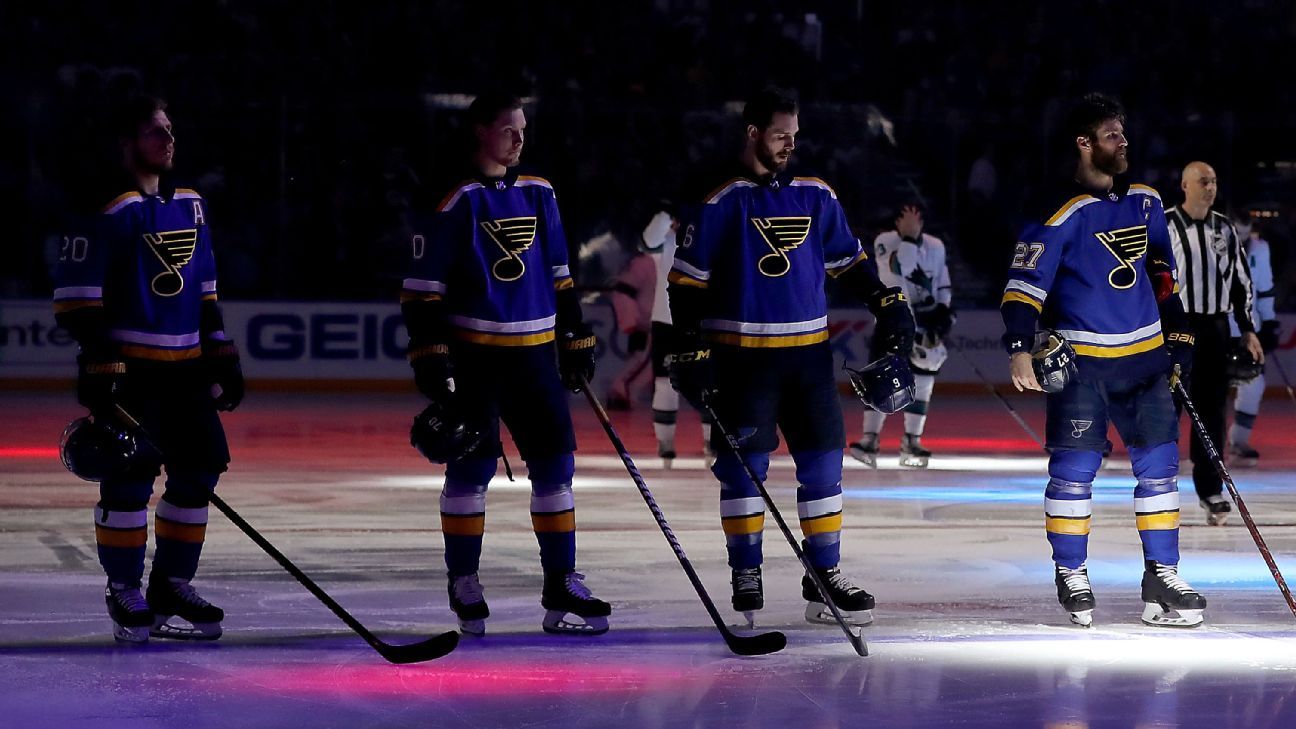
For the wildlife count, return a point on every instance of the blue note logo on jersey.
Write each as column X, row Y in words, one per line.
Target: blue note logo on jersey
column 174, row 248
column 781, row 234
column 1127, row 245
column 513, row 236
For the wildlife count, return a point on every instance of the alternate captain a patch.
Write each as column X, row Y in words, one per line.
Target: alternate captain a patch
column 513, row 236
column 781, row 234
column 174, row 248
column 1127, row 245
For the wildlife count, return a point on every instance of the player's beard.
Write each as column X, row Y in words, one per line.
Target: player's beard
column 1109, row 164
column 769, row 159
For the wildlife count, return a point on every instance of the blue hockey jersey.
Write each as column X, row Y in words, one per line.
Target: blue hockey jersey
column 761, row 249
column 147, row 260
column 1084, row 272
column 494, row 253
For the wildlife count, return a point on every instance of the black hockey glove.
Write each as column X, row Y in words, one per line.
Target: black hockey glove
column 1268, row 335
column 432, row 372
column 1179, row 345
column 99, row 383
column 937, row 320
column 691, row 371
column 895, row 324
column 576, row 356
column 222, row 361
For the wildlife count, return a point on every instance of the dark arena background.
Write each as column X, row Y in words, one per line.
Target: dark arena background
column 316, row 132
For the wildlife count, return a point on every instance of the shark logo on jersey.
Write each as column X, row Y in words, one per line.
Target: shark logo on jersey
column 513, row 236
column 781, row 234
column 174, row 248
column 1127, row 245
column 1078, row 427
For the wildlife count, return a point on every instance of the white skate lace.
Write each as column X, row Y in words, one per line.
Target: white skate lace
column 468, row 589
column 576, row 587
column 838, row 581
column 187, row 593
column 130, row 598
column 1169, row 574
column 1076, row 580
column 747, row 581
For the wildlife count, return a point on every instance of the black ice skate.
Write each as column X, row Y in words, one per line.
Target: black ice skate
column 854, row 604
column 468, row 603
column 865, row 450
column 1075, row 594
column 1217, row 509
column 666, row 452
column 130, row 613
column 565, row 594
column 748, row 593
column 1169, row 601
column 171, row 597
column 1242, row 454
column 912, row 453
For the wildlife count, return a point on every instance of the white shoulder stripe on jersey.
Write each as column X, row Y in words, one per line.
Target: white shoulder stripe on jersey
column 1061, row 218
column 450, row 203
column 1144, row 190
column 189, row 195
column 728, row 189
column 123, row 202
column 813, row 182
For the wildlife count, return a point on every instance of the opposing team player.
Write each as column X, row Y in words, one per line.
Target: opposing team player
column 1246, row 408
column 136, row 286
column 914, row 262
column 487, row 295
column 1100, row 271
column 747, row 297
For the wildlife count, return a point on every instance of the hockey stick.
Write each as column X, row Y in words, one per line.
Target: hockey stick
column 1218, row 462
column 743, row 645
column 995, row 391
column 424, row 650
column 855, row 635
column 1286, row 381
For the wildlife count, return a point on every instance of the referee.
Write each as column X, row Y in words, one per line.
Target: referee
column 1214, row 281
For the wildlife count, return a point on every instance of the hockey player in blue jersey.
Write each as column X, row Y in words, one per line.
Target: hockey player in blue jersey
column 1098, row 268
column 136, row 286
column 496, row 333
column 747, row 297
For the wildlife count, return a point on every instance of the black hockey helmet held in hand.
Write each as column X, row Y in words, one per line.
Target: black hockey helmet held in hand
column 1053, row 360
column 441, row 435
column 96, row 448
column 1240, row 366
column 886, row 385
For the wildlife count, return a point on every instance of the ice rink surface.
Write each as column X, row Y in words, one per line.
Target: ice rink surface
column 968, row 632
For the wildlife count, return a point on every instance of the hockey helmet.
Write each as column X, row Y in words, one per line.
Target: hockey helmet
column 441, row 435
column 928, row 353
column 1053, row 360
column 1241, row 367
column 886, row 385
column 95, row 449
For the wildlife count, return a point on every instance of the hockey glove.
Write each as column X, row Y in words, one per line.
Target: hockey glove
column 99, row 383
column 222, row 360
column 895, row 324
column 576, row 357
column 690, row 369
column 1268, row 335
column 1179, row 345
column 432, row 372
column 937, row 320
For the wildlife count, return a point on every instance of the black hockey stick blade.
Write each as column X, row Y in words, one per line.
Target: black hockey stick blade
column 424, row 650
column 743, row 645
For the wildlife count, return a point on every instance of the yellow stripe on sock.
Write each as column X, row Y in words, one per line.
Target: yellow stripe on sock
column 1063, row 525
column 1165, row 520
column 742, row 525
column 463, row 526
column 175, row 531
column 821, row 525
column 563, row 521
column 120, row 537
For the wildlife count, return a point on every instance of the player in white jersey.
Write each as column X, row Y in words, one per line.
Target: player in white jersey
column 914, row 261
column 1247, row 406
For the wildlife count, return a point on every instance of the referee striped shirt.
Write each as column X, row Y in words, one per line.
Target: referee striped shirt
column 1214, row 277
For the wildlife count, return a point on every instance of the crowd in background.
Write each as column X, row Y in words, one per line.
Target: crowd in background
column 312, row 128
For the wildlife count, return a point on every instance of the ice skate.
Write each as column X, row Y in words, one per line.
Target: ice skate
column 865, row 450
column 468, row 604
column 748, row 593
column 172, row 597
column 130, row 613
column 1242, row 454
column 564, row 595
column 666, row 452
column 1169, row 601
column 1217, row 509
column 912, row 453
column 854, row 604
column 1075, row 594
